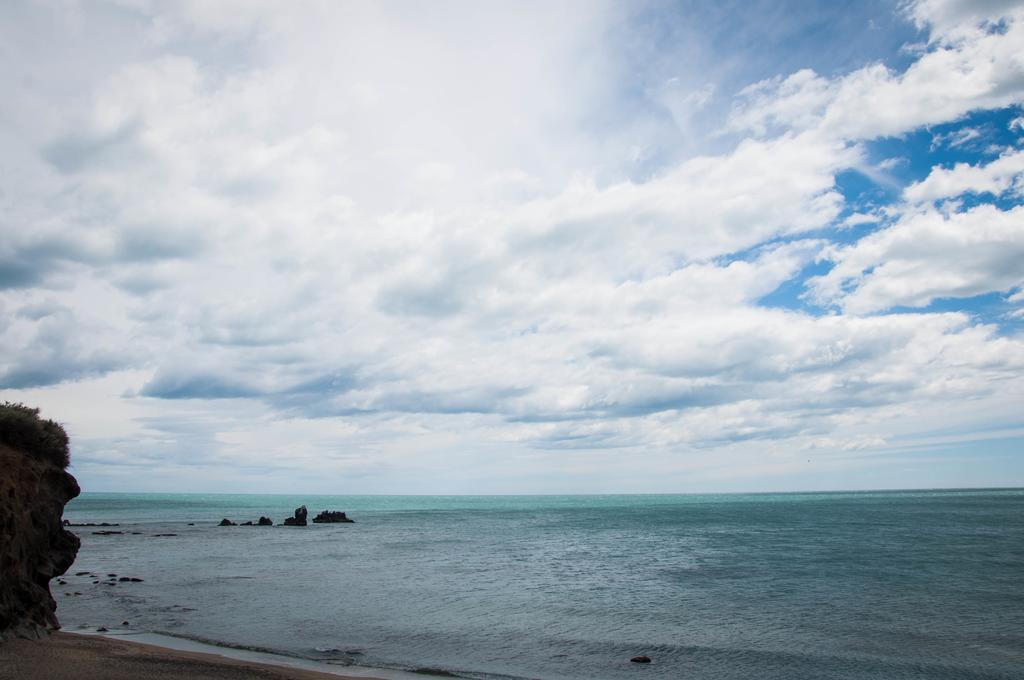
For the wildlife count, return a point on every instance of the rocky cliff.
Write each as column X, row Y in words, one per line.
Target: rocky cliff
column 34, row 546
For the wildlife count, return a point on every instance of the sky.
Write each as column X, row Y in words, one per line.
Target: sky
column 517, row 247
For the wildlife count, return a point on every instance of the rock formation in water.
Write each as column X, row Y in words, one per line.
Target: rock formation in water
column 299, row 519
column 34, row 546
column 265, row 522
column 331, row 517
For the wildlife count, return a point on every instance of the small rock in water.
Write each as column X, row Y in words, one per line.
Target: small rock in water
column 95, row 582
column 191, row 524
column 247, row 524
column 265, row 522
column 227, row 523
column 111, row 575
column 135, row 580
column 101, row 629
column 299, row 518
column 641, row 659
column 124, row 623
column 82, row 573
column 332, row 517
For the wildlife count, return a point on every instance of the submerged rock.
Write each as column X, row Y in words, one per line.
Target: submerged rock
column 641, row 659
column 331, row 517
column 299, row 518
column 34, row 546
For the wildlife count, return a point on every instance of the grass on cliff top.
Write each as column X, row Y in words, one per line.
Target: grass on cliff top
column 21, row 428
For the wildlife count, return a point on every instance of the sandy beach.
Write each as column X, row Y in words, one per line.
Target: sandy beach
column 66, row 656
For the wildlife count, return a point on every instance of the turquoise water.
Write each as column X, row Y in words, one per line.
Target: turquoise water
column 923, row 584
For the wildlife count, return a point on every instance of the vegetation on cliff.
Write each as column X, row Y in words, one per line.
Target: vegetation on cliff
column 22, row 429
column 34, row 546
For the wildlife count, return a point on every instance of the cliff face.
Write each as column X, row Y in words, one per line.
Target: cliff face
column 34, row 546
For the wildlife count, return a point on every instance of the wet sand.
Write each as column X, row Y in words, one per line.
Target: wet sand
column 66, row 656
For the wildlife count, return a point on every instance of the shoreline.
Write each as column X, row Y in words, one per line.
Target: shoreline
column 97, row 656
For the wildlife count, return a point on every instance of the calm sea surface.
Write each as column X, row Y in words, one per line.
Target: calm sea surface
column 881, row 585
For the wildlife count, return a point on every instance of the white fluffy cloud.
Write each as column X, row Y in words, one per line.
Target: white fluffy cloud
column 935, row 252
column 1005, row 174
column 970, row 65
column 927, row 255
column 397, row 244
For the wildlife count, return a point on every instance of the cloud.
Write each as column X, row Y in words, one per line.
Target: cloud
column 16, row 272
column 967, row 68
column 77, row 151
column 1002, row 175
column 184, row 383
column 443, row 240
column 925, row 256
column 48, row 345
column 41, row 309
column 948, row 18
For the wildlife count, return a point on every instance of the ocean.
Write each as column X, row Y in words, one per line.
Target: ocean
column 853, row 585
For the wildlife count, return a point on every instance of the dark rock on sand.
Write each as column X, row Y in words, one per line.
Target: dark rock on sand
column 34, row 546
column 332, row 517
column 227, row 523
column 299, row 519
column 265, row 522
column 641, row 659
